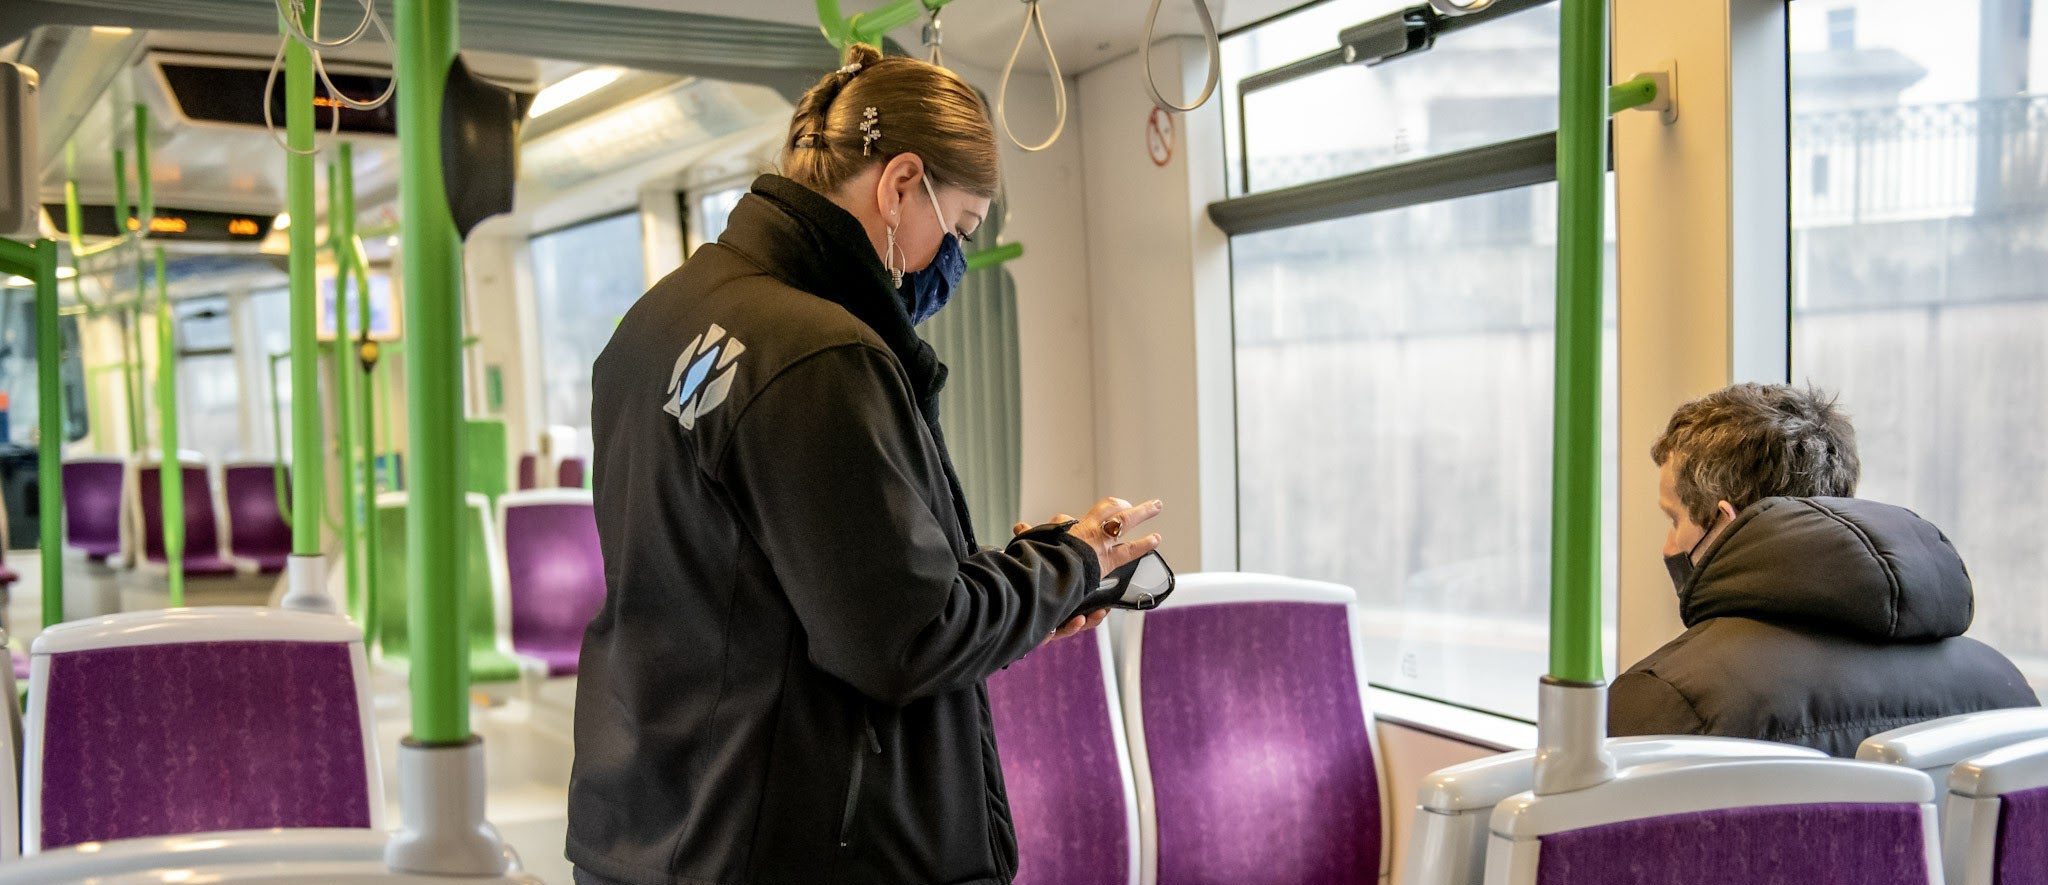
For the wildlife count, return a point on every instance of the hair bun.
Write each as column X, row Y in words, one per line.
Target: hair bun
column 862, row 54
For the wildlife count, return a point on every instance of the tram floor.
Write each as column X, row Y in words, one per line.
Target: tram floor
column 526, row 726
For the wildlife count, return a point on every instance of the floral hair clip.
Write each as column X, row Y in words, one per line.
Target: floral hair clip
column 870, row 130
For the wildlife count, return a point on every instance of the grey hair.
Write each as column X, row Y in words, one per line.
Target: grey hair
column 1749, row 442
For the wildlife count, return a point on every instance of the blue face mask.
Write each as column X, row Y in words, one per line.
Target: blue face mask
column 925, row 291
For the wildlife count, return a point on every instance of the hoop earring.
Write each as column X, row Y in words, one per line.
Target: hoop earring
column 893, row 257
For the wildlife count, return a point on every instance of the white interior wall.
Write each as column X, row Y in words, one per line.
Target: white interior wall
column 1047, row 195
column 1158, row 272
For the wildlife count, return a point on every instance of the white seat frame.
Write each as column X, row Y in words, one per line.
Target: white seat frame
column 1976, row 788
column 1447, row 843
column 1225, row 588
column 179, row 626
column 1685, row 787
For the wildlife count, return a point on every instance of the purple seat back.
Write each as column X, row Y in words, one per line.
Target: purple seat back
column 1255, row 735
column 2022, row 837
column 92, row 506
column 569, row 474
column 255, row 527
column 529, row 471
column 202, row 533
column 198, row 737
column 1058, row 743
column 1826, row 844
column 555, row 577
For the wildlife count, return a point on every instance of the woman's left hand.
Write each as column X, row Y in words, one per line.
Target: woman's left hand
column 1078, row 623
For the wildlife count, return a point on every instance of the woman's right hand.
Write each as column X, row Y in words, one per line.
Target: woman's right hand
column 1108, row 529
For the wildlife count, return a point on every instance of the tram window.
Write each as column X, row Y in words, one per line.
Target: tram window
column 271, row 310
column 1488, row 84
column 209, row 391
column 1920, row 284
column 584, row 279
column 713, row 209
column 18, row 368
column 1393, row 428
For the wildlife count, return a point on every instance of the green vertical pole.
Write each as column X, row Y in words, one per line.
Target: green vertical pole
column 39, row 262
column 1575, row 647
column 171, row 468
column 341, row 229
column 372, row 578
column 131, row 319
column 308, row 473
column 433, row 382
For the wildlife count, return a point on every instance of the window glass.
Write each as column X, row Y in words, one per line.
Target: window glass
column 712, row 211
column 1920, row 262
column 272, row 312
column 1475, row 87
column 209, row 394
column 18, row 367
column 1394, row 427
column 584, row 278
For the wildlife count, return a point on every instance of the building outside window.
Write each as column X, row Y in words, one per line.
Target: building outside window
column 1920, row 289
column 584, row 279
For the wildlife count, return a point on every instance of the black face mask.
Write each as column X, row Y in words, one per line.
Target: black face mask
column 1680, row 564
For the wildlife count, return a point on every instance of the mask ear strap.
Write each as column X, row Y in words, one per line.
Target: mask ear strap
column 934, row 195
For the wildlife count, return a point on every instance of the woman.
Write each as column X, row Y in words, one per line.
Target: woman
column 786, row 682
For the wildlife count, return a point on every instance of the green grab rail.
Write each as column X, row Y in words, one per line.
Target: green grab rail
column 308, row 473
column 1631, row 95
column 994, row 255
column 38, row 261
column 372, row 551
column 435, row 610
column 170, row 467
column 869, row 27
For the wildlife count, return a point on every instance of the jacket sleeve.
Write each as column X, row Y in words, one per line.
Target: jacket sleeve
column 829, row 469
column 1641, row 703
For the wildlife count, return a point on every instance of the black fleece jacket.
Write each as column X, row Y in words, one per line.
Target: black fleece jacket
column 785, row 684
column 1818, row 622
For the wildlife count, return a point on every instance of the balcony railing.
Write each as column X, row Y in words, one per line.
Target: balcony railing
column 1919, row 161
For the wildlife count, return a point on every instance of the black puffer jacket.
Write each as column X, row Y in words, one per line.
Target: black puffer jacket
column 785, row 684
column 1819, row 622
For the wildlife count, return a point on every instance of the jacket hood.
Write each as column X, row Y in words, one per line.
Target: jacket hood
column 1846, row 565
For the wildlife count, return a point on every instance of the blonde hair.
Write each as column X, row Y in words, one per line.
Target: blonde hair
column 919, row 108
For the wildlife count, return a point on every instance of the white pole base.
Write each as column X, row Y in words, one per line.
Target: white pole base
column 305, row 587
column 1571, row 737
column 442, row 830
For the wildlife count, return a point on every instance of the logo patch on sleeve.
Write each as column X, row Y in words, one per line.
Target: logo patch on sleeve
column 703, row 376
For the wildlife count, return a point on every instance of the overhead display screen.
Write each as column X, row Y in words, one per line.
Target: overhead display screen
column 233, row 95
column 199, row 225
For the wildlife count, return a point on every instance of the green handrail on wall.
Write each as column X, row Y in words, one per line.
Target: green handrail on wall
column 38, row 261
column 994, row 255
column 433, row 382
column 308, row 467
column 341, row 235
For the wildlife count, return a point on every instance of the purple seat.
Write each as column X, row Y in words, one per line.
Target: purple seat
column 257, row 532
column 1821, row 844
column 1059, row 735
column 148, row 724
column 2022, row 852
column 1250, row 736
column 1726, row 821
column 569, row 473
column 529, row 471
column 554, row 574
column 202, row 529
column 92, row 505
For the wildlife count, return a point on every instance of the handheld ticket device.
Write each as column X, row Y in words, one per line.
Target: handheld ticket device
column 1140, row 585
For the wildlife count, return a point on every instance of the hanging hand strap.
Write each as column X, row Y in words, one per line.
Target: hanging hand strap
column 1209, row 38
column 1033, row 18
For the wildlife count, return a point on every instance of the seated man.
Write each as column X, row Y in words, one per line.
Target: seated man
column 1812, row 617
